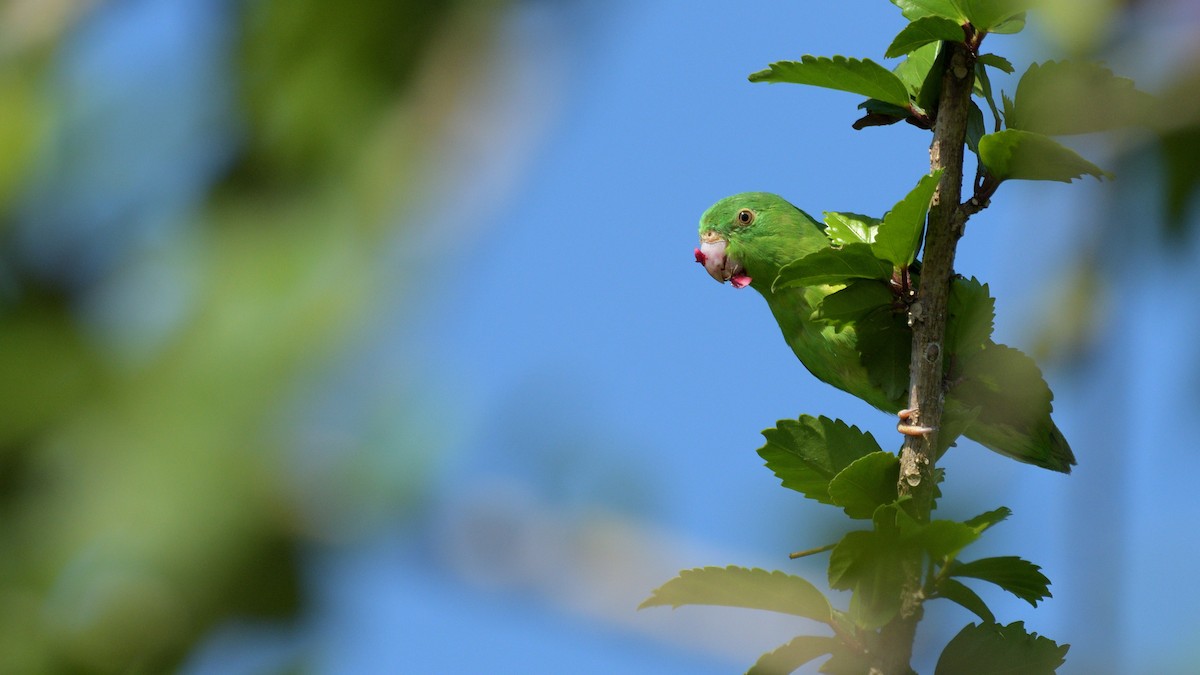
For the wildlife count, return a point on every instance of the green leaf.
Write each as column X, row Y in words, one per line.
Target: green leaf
column 916, row 9
column 992, row 649
column 921, row 74
column 1177, row 142
column 955, row 591
column 975, row 127
column 1008, row 106
column 792, row 655
column 1013, row 24
column 899, row 234
column 1180, row 152
column 868, row 483
column 996, row 61
column 869, row 564
column 885, row 348
column 931, row 86
column 850, row 228
column 985, row 520
column 1015, row 575
column 971, row 313
column 989, row 377
column 833, row 266
column 876, row 601
column 808, row 452
column 1016, row 154
column 854, row 302
column 923, row 31
column 990, row 15
column 1076, row 97
column 1014, row 403
column 886, row 518
column 851, row 556
column 939, row 475
column 742, row 587
column 941, row 538
column 856, row 76
column 956, row 419
column 983, row 86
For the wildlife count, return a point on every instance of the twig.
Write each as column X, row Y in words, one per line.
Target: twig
column 812, row 551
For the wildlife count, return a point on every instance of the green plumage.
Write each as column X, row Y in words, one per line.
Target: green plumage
column 996, row 391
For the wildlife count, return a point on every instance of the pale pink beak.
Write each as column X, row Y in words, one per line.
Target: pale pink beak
column 711, row 254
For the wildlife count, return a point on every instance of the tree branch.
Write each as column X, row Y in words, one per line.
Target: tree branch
column 928, row 318
column 928, row 313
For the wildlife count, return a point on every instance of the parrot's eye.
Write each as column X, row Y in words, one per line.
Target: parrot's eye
column 745, row 217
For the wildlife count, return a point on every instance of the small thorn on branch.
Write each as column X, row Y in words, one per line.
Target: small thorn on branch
column 908, row 429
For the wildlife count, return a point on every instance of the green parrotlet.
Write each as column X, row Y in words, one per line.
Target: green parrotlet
column 995, row 393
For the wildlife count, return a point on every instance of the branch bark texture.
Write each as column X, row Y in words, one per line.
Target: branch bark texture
column 928, row 317
column 944, row 228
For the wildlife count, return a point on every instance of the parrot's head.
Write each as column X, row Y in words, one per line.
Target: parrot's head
column 747, row 238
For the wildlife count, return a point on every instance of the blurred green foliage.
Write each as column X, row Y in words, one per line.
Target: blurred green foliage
column 144, row 496
column 317, row 76
column 1158, row 161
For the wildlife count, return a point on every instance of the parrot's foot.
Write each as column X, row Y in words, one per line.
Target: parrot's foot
column 911, row 429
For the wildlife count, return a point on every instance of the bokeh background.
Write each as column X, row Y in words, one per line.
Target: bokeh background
column 365, row 337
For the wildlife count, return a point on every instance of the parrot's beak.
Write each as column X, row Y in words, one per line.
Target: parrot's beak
column 719, row 266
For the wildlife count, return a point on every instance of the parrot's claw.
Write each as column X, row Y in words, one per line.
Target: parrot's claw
column 911, row 429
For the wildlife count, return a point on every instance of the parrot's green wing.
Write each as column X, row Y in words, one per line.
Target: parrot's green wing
column 854, row 336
